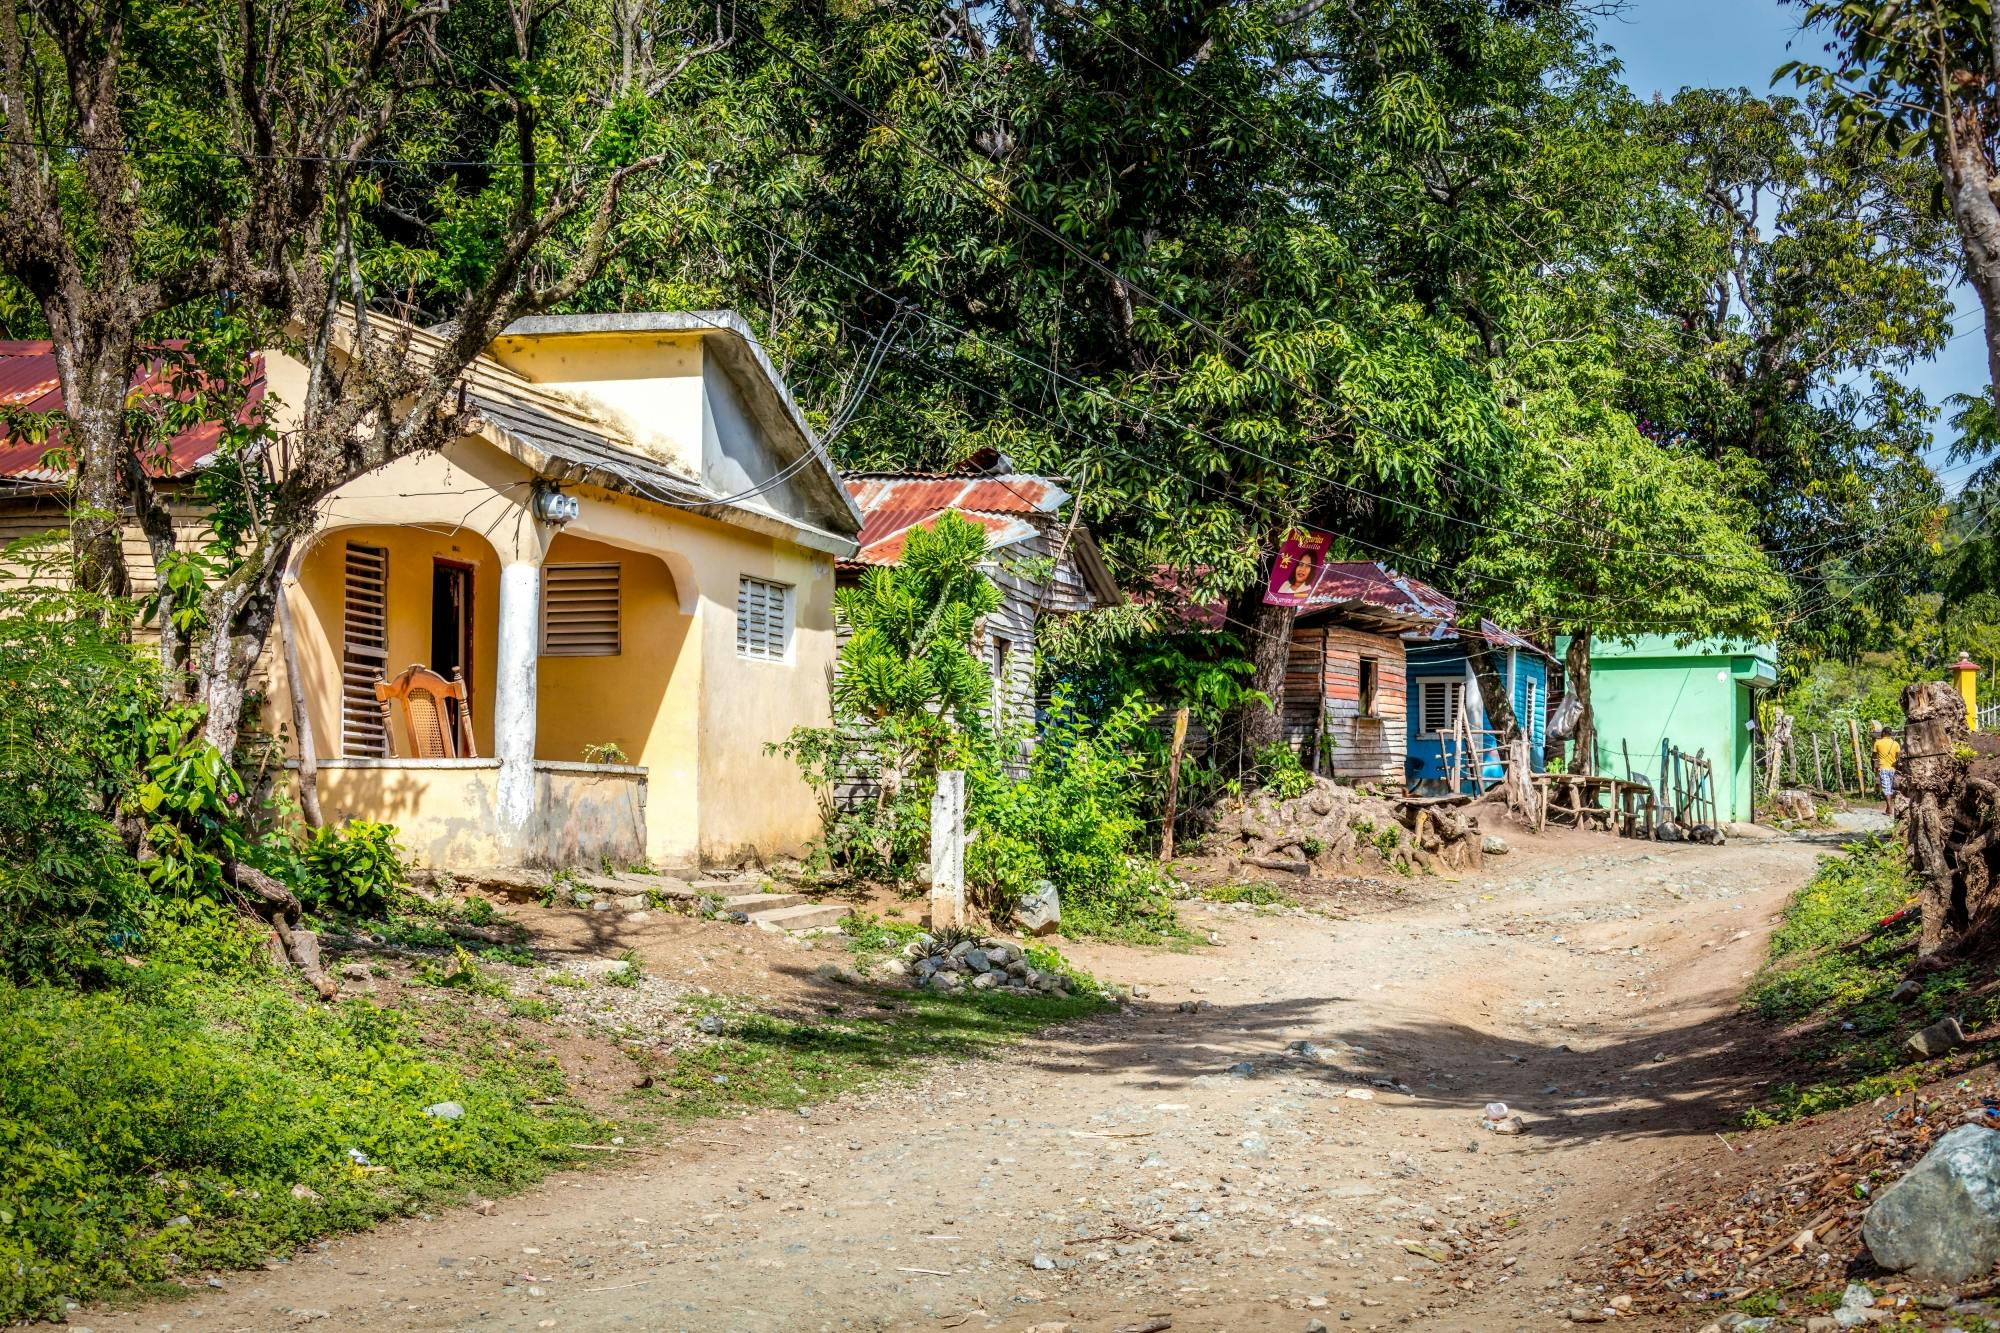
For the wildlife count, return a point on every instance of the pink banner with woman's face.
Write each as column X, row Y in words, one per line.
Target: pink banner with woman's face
column 1296, row 572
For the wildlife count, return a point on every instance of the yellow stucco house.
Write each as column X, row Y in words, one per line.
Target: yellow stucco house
column 629, row 559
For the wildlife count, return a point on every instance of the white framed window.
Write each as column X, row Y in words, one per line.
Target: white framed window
column 1438, row 702
column 1531, row 710
column 763, row 620
column 580, row 610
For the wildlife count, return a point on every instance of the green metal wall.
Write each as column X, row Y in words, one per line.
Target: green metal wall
column 1696, row 702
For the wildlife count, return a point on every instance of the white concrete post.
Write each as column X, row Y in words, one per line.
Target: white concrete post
column 948, row 850
column 514, row 695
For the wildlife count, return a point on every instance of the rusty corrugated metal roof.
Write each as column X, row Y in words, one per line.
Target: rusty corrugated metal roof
column 1368, row 583
column 1007, row 505
column 28, row 381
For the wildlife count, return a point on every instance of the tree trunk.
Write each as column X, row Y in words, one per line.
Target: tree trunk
column 1576, row 671
column 240, row 614
column 1968, row 188
column 95, row 369
column 1495, row 696
column 1268, row 640
column 1933, row 782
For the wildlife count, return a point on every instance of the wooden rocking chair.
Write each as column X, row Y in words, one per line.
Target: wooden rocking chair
column 426, row 713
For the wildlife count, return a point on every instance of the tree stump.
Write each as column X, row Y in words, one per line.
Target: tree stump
column 1950, row 807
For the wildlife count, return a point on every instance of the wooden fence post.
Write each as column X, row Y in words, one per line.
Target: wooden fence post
column 1173, row 783
column 1819, row 767
column 1860, row 769
column 948, row 850
column 1774, row 748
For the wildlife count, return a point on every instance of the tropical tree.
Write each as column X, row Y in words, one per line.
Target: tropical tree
column 1640, row 538
column 221, row 172
column 1924, row 79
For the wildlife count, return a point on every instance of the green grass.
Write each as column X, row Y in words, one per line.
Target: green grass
column 872, row 936
column 1259, row 894
column 1851, row 1032
column 765, row 1060
column 160, row 1126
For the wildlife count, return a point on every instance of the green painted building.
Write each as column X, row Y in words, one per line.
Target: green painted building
column 1648, row 691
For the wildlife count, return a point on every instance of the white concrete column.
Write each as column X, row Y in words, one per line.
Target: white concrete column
column 514, row 694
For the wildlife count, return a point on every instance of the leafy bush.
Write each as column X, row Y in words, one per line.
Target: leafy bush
column 354, row 868
column 75, row 694
column 182, row 1117
column 1282, row 774
column 1074, row 820
column 911, row 698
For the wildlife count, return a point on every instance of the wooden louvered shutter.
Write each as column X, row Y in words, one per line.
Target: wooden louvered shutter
column 364, row 656
column 763, row 619
column 580, row 610
column 1440, row 702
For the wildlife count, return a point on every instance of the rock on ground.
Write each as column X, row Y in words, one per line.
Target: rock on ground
column 1941, row 1222
column 1944, row 1035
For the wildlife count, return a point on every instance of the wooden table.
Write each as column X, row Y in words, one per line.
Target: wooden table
column 1580, row 794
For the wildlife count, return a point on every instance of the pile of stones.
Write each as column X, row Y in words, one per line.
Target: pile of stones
column 973, row 965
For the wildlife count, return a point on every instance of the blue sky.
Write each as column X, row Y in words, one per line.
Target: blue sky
column 1667, row 45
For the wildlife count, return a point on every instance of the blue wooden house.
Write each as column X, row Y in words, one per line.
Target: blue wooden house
column 1442, row 686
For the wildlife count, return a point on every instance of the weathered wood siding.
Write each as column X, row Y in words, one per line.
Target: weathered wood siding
column 32, row 516
column 1323, row 715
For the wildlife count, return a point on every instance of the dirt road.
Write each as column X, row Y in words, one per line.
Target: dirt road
column 1156, row 1163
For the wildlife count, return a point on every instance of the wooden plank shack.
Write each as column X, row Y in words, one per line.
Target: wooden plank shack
column 1347, row 700
column 1347, row 686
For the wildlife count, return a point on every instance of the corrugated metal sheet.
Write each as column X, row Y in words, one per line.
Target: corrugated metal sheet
column 1379, row 594
column 28, row 381
column 891, row 504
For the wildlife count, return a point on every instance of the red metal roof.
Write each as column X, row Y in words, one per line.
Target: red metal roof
column 28, row 381
column 891, row 504
column 1368, row 583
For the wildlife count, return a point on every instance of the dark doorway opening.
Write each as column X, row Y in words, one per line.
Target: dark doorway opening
column 451, row 626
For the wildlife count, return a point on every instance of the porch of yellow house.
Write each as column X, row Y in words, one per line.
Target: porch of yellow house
column 582, row 669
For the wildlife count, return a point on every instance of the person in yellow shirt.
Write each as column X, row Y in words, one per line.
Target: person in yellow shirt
column 1887, row 752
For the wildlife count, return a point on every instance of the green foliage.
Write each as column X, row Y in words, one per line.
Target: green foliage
column 184, row 1090
column 1619, row 500
column 909, row 698
column 75, row 697
column 1258, row 894
column 1075, row 820
column 908, row 670
column 354, row 868
column 462, row 973
column 911, row 689
column 1849, row 1031
column 628, row 972
column 1281, row 773
column 1847, row 894
column 869, row 935
column 1867, row 688
column 607, row 752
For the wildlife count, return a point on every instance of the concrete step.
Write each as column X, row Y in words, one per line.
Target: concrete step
column 667, row 886
column 758, row 902
column 722, row 885
column 805, row 916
